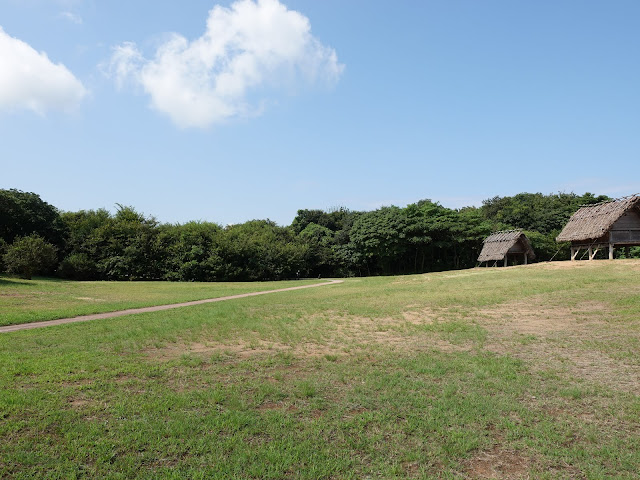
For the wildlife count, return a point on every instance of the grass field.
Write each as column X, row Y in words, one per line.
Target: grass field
column 23, row 301
column 523, row 372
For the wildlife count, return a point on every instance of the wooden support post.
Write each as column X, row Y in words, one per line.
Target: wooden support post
column 574, row 253
column 505, row 260
column 611, row 251
column 590, row 252
column 525, row 258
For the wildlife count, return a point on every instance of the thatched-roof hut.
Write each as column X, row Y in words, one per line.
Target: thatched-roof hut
column 499, row 246
column 615, row 223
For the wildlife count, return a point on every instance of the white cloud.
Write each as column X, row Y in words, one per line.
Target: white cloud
column 126, row 63
column 72, row 17
column 246, row 49
column 29, row 80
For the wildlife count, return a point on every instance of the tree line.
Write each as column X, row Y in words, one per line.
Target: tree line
column 38, row 239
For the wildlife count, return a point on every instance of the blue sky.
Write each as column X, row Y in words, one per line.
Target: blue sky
column 254, row 110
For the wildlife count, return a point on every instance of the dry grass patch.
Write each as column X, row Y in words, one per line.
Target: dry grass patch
column 238, row 350
column 562, row 338
column 420, row 317
column 78, row 402
column 325, row 335
column 536, row 317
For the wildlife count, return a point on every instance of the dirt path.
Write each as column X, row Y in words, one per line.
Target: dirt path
column 120, row 313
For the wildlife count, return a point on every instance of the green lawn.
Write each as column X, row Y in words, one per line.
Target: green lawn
column 23, row 301
column 524, row 372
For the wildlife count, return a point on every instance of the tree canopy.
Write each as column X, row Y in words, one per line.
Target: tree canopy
column 421, row 237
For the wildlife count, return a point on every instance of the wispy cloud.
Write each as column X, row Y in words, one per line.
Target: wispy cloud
column 29, row 80
column 71, row 17
column 246, row 49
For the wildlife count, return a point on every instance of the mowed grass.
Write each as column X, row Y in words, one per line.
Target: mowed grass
column 524, row 372
column 23, row 301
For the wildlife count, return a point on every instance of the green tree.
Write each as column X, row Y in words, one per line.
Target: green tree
column 31, row 255
column 320, row 259
column 378, row 239
column 122, row 246
column 191, row 252
column 3, row 250
column 129, row 247
column 262, row 250
column 335, row 220
column 82, row 228
column 545, row 246
column 535, row 211
column 23, row 214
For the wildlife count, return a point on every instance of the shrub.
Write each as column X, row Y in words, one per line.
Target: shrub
column 28, row 256
column 78, row 266
column 3, row 250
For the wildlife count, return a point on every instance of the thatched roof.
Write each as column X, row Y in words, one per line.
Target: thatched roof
column 498, row 244
column 591, row 222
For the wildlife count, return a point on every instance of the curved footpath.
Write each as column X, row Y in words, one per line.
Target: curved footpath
column 120, row 313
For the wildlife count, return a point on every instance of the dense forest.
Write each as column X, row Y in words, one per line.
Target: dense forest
column 38, row 239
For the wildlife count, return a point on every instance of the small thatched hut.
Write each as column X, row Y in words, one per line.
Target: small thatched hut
column 500, row 246
column 608, row 224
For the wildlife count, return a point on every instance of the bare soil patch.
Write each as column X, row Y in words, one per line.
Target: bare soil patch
column 499, row 463
column 271, row 406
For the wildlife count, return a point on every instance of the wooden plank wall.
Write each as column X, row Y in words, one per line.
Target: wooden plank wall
column 626, row 230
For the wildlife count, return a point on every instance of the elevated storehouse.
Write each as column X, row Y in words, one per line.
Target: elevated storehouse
column 611, row 224
column 499, row 246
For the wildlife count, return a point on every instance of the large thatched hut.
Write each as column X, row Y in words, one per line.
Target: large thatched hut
column 500, row 246
column 610, row 224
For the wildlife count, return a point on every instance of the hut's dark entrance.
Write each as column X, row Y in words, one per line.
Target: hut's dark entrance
column 614, row 224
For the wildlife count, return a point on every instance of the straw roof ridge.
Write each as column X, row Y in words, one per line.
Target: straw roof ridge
column 503, row 236
column 516, row 230
column 592, row 222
